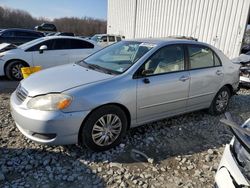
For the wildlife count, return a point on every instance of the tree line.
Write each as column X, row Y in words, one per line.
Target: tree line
column 86, row 26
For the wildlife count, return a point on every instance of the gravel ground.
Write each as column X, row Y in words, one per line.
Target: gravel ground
column 183, row 151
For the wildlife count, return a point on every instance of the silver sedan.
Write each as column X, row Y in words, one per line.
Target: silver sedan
column 95, row 101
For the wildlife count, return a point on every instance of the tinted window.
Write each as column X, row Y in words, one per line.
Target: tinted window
column 111, row 38
column 22, row 34
column 200, row 57
column 60, row 44
column 79, row 44
column 167, row 59
column 104, row 38
column 35, row 34
column 37, row 46
column 8, row 34
column 118, row 39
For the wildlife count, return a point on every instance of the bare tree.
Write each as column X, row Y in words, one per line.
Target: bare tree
column 86, row 26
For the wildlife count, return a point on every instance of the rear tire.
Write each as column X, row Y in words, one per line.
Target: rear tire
column 13, row 70
column 220, row 102
column 104, row 128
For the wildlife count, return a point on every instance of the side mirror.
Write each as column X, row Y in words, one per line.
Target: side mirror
column 147, row 72
column 42, row 48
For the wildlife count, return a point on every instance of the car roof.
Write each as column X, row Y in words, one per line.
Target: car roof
column 19, row 29
column 67, row 37
column 106, row 35
column 62, row 37
column 166, row 40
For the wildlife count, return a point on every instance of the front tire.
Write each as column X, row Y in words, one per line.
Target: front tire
column 104, row 128
column 220, row 102
column 13, row 70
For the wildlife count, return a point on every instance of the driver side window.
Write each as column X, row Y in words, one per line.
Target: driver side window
column 37, row 46
column 167, row 59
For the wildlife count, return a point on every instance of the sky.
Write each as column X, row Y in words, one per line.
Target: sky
column 60, row 8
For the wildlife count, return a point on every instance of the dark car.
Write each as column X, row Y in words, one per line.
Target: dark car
column 65, row 34
column 46, row 27
column 18, row 36
column 61, row 34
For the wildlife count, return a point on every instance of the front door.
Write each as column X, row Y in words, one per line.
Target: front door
column 163, row 85
column 56, row 54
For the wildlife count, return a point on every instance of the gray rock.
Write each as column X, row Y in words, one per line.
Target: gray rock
column 2, row 177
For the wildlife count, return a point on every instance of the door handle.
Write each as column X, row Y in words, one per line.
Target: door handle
column 219, row 72
column 184, row 78
column 146, row 80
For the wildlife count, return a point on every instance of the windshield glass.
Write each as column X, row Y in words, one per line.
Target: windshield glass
column 27, row 44
column 96, row 38
column 120, row 56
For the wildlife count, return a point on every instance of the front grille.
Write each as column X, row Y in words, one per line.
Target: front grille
column 21, row 93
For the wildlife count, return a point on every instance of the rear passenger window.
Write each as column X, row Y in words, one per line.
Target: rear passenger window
column 60, row 44
column 200, row 57
column 35, row 34
column 216, row 60
column 79, row 44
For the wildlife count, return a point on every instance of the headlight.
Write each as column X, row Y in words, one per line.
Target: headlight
column 50, row 102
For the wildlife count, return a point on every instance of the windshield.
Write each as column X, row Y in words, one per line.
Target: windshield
column 119, row 57
column 27, row 44
column 96, row 38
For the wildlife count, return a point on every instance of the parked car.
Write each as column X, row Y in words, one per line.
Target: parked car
column 61, row 34
column 106, row 39
column 46, row 27
column 130, row 83
column 244, row 61
column 234, row 168
column 18, row 36
column 46, row 52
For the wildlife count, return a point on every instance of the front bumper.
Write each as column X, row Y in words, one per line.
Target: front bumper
column 47, row 127
column 229, row 174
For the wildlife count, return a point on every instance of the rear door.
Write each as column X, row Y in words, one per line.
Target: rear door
column 162, row 90
column 206, row 74
column 56, row 54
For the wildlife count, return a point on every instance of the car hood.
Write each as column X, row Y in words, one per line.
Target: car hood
column 61, row 78
column 7, row 46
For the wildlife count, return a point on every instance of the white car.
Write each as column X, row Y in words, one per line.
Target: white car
column 234, row 168
column 106, row 39
column 45, row 52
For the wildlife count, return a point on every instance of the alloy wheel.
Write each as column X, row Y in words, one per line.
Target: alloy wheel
column 222, row 101
column 16, row 71
column 106, row 130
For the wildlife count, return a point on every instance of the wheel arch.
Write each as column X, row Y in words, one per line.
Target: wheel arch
column 11, row 60
column 122, row 107
column 230, row 87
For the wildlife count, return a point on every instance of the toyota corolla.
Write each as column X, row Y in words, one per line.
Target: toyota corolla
column 95, row 101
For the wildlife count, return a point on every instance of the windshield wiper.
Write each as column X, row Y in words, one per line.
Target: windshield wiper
column 95, row 67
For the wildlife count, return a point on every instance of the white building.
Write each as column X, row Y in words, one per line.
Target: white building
column 221, row 23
